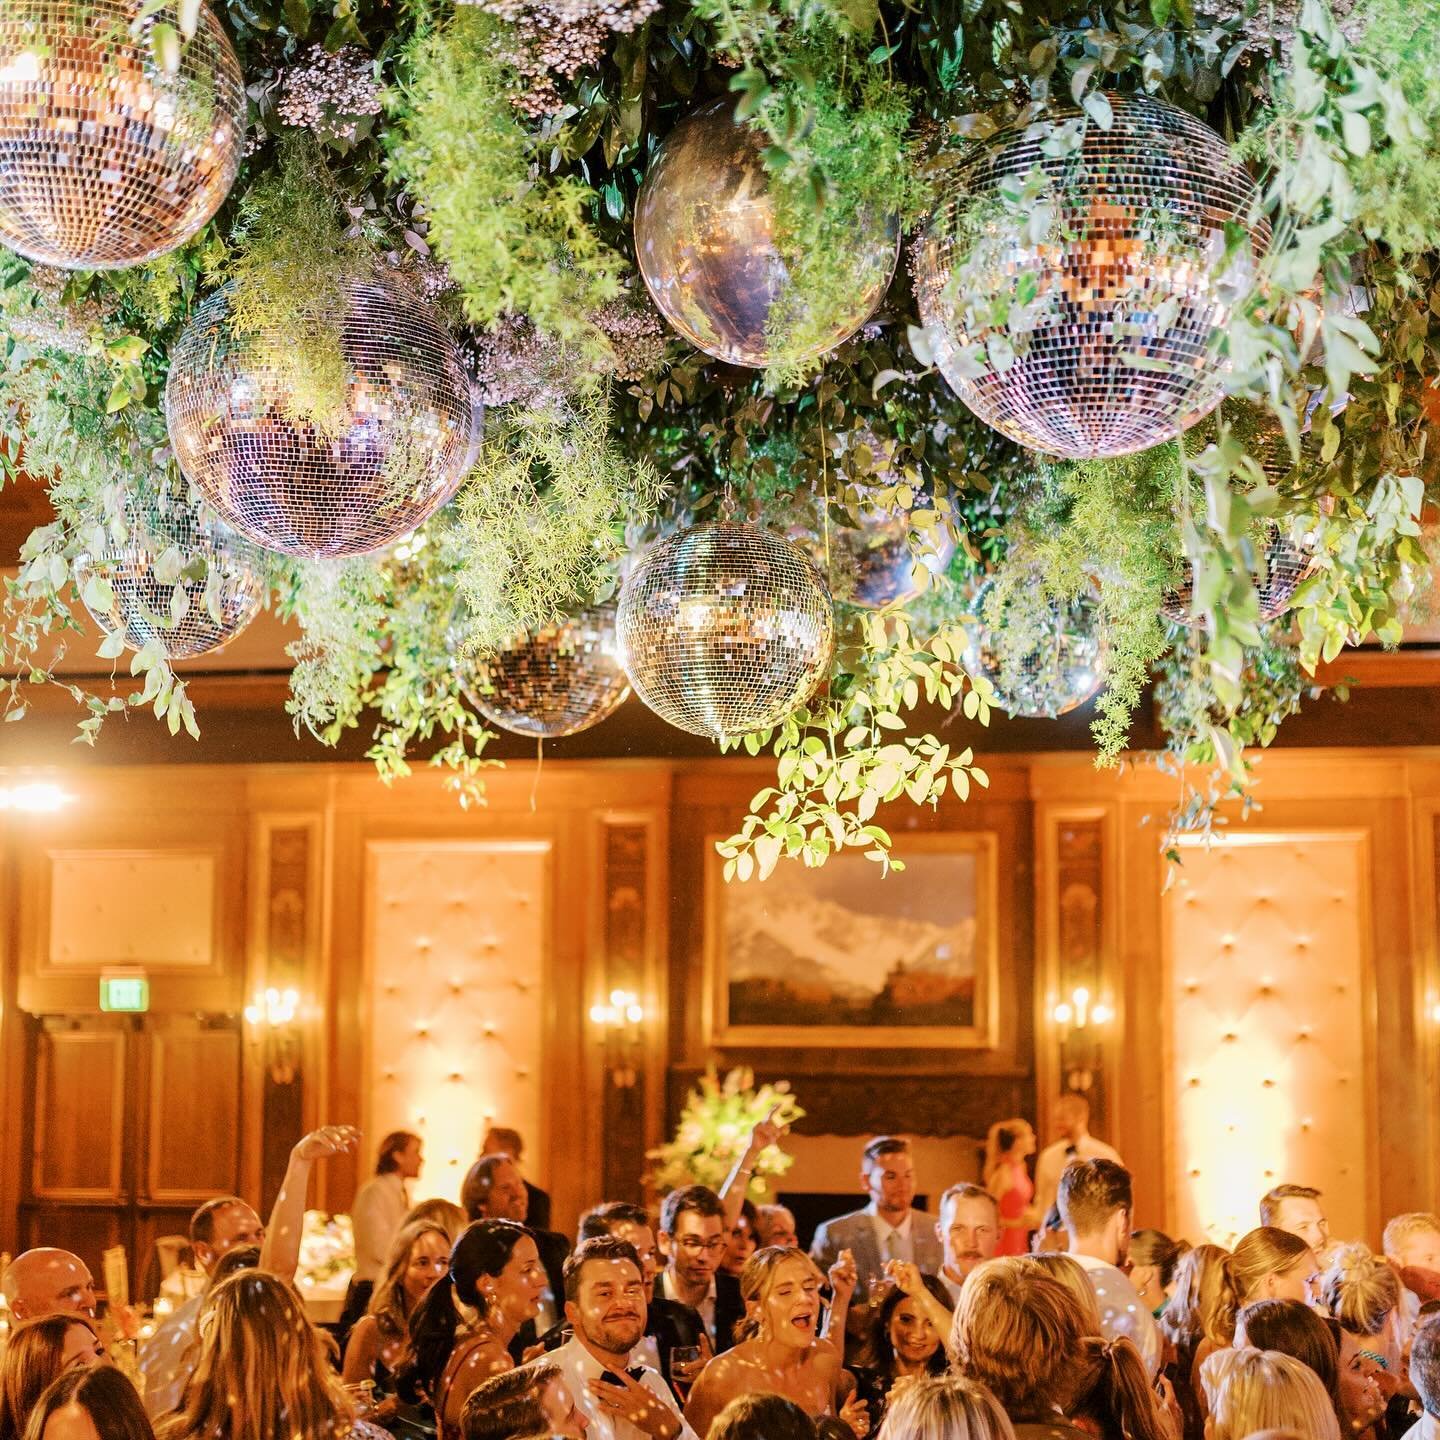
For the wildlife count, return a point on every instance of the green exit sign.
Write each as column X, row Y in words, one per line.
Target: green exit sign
column 128, row 993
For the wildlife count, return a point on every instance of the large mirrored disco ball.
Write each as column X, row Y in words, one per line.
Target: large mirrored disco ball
column 401, row 448
column 106, row 158
column 1131, row 285
column 1280, row 567
column 705, row 243
column 1057, row 668
column 554, row 681
column 177, row 548
column 725, row 629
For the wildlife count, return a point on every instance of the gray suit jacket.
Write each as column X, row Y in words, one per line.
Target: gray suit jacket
column 856, row 1233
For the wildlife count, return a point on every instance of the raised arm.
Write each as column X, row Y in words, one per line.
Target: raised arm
column 767, row 1132
column 908, row 1277
column 280, row 1254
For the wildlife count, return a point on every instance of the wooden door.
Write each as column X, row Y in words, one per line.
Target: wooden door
column 133, row 1122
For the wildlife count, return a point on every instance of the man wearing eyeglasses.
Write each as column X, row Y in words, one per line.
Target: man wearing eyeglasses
column 692, row 1239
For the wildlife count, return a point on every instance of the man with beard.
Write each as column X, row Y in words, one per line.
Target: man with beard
column 605, row 1305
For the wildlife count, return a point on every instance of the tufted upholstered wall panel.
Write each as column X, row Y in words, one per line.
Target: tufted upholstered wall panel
column 1267, row 974
column 457, row 939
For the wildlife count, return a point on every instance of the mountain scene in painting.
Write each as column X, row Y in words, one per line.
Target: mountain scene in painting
column 844, row 946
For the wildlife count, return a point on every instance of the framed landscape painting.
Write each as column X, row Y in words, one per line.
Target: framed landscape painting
column 848, row 956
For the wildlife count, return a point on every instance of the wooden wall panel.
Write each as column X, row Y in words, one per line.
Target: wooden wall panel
column 79, row 1129
column 193, row 1140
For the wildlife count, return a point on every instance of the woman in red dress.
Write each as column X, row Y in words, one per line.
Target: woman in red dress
column 1009, row 1144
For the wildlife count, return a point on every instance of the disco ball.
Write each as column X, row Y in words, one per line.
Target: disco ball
column 107, row 159
column 1130, row 290
column 220, row 574
column 725, row 629
column 1283, row 566
column 1059, row 665
column 401, row 448
column 704, row 240
column 872, row 565
column 557, row 680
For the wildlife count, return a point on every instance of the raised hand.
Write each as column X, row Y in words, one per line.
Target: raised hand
column 636, row 1405
column 907, row 1277
column 327, row 1141
column 856, row 1414
column 844, row 1277
column 767, row 1132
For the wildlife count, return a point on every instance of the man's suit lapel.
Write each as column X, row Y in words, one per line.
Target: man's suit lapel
column 928, row 1250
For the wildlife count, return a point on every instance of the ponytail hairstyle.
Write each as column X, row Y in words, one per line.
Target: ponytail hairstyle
column 1155, row 1248
column 1262, row 1253
column 1359, row 1289
column 1196, row 1309
column 484, row 1248
column 1112, row 1392
column 758, row 1278
column 1000, row 1142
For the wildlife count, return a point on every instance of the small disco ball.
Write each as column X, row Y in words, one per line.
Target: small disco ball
column 1063, row 666
column 398, row 454
column 106, row 158
column 1283, row 566
column 1131, row 295
column 554, row 681
column 725, row 629
column 704, row 241
column 220, row 574
column 872, row 565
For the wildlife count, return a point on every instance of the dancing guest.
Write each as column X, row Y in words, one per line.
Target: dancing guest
column 532, row 1403
column 1008, row 1146
column 1297, row 1209
column 377, row 1212
column 667, row 1323
column 1296, row 1330
column 775, row 1225
column 38, row 1353
column 95, row 1402
column 502, row 1140
column 1412, row 1246
column 605, row 1305
column 742, row 1243
column 460, row 1334
column 946, row 1407
column 419, row 1256
column 1112, row 1397
column 692, row 1239
column 888, row 1228
column 1197, row 1321
column 1248, row 1390
column 1071, row 1121
column 1153, row 1259
column 905, row 1340
column 779, row 1349
column 1018, row 1332
column 1096, row 1204
column 1362, row 1294
column 969, row 1232
column 253, row 1328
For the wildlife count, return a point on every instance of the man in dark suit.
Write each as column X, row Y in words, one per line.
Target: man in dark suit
column 692, row 1240
column 887, row 1228
column 494, row 1190
column 502, row 1140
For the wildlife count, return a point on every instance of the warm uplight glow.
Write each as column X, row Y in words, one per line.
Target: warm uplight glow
column 36, row 797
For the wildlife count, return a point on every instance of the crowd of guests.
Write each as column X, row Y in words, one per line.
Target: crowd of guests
column 1023, row 1309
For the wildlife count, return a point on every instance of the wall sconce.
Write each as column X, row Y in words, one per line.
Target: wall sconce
column 620, row 1022
column 35, row 797
column 274, row 1012
column 1079, row 1020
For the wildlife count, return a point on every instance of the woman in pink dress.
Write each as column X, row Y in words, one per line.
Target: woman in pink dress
column 1008, row 1146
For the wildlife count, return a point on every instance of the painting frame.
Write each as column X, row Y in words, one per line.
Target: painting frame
column 721, row 1033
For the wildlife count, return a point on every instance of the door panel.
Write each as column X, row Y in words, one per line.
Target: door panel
column 193, row 1129
column 79, row 1121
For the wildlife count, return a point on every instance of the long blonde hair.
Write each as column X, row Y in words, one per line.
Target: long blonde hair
column 1263, row 1252
column 1198, row 1308
column 263, row 1371
column 1359, row 1289
column 1071, row 1274
column 757, row 1280
column 1249, row 1390
column 945, row 1407
column 30, row 1364
column 388, row 1304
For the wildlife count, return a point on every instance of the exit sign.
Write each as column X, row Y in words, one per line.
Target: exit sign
column 128, row 993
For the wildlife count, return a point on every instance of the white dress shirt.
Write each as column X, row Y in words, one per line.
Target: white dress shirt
column 705, row 1309
column 1053, row 1159
column 379, row 1209
column 895, row 1242
column 168, row 1358
column 578, row 1365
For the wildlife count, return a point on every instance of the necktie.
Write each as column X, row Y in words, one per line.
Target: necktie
column 892, row 1245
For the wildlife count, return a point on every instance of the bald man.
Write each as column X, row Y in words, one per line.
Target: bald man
column 48, row 1282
